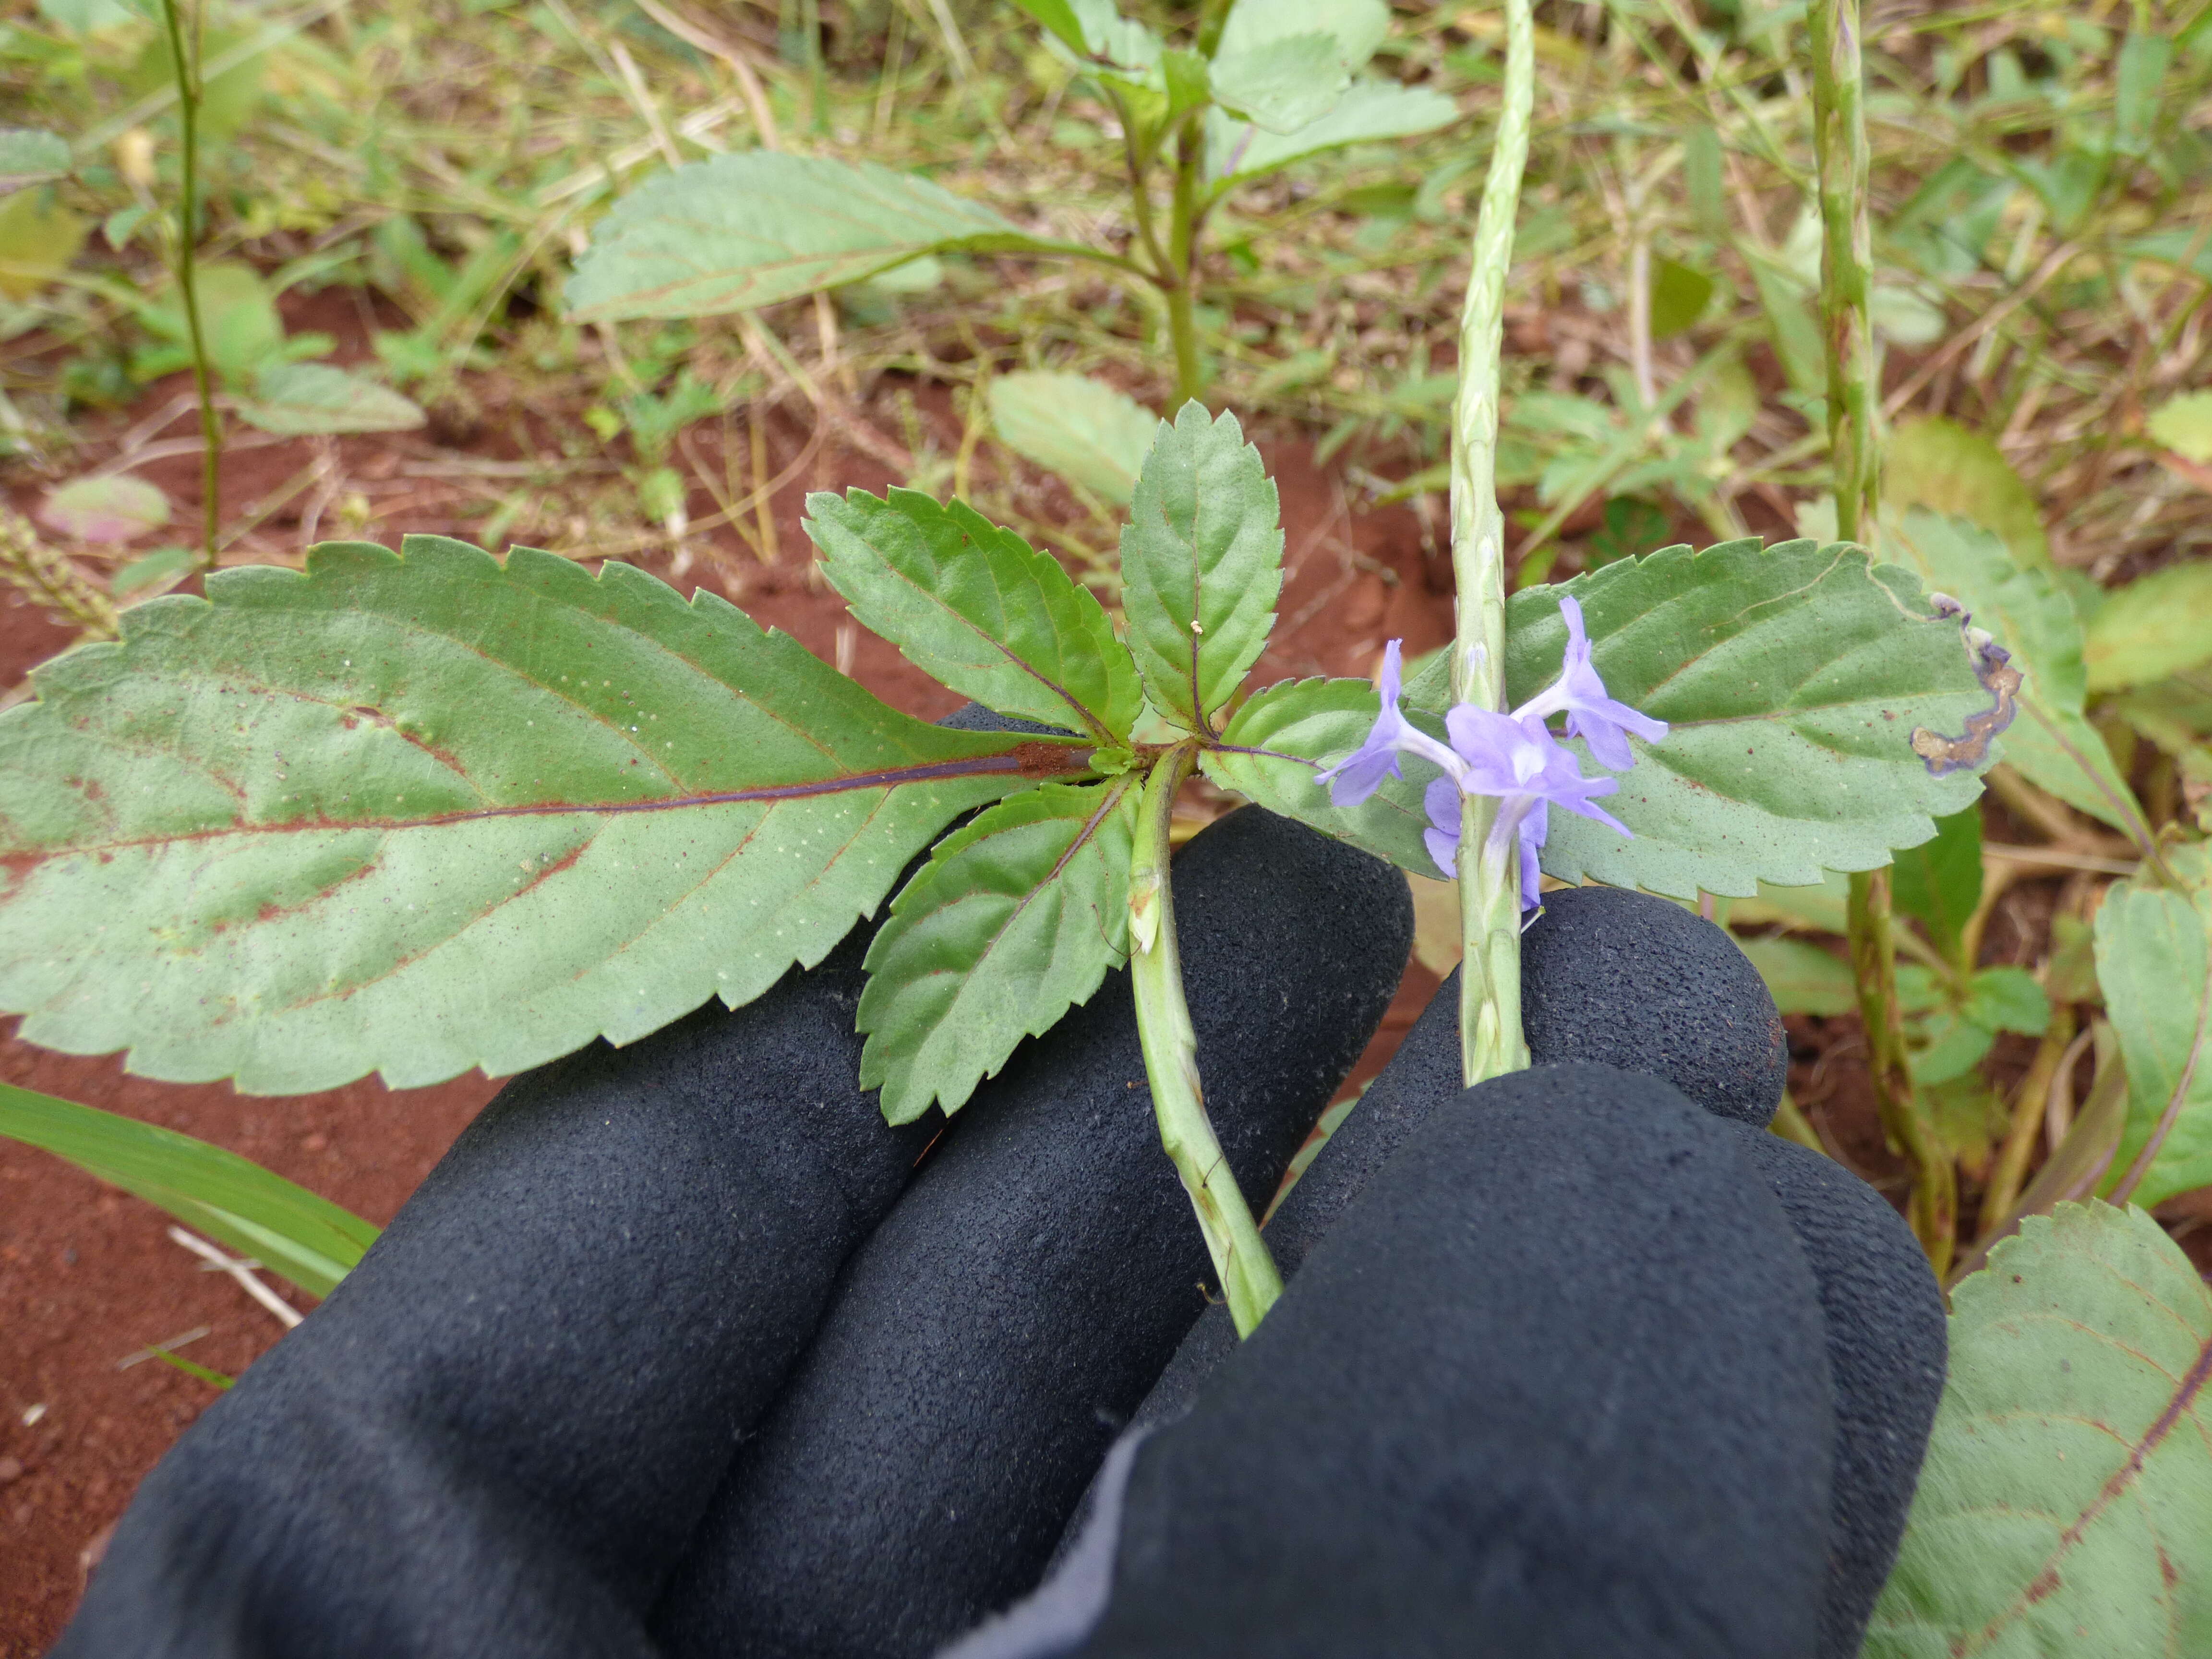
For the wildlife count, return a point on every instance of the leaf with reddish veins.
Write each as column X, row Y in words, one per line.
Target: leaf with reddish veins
column 415, row 814
column 2065, row 1507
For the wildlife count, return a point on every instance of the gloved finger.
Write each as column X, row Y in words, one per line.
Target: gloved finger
column 497, row 1433
column 1556, row 1384
column 1607, row 974
column 1888, row 1345
column 1644, row 978
column 992, row 1335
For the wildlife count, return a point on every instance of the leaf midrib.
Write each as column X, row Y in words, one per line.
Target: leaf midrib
column 887, row 779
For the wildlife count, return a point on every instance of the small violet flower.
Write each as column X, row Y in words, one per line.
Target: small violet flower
column 1360, row 773
column 1522, row 765
column 1513, row 758
column 1578, row 693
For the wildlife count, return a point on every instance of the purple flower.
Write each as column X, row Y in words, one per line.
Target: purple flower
column 1595, row 718
column 1513, row 758
column 1522, row 765
column 1360, row 773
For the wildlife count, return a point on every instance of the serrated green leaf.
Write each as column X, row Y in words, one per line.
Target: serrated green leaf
column 414, row 814
column 1201, row 565
column 2031, row 617
column 2155, row 964
column 1017, row 918
column 292, row 399
column 1275, row 745
column 234, row 1201
column 1940, row 881
column 739, row 231
column 28, row 156
column 977, row 609
column 2065, row 1508
column 1281, row 84
column 1802, row 978
column 1084, row 429
column 1793, row 679
column 2157, row 625
column 1368, row 112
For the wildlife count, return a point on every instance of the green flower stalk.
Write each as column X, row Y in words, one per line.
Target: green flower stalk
column 1490, row 1041
column 1839, row 143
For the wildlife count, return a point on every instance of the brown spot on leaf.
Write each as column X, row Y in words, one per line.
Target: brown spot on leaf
column 1971, row 749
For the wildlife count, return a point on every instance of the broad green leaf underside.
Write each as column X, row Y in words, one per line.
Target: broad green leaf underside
column 1792, row 678
column 2065, row 1508
column 417, row 814
column 1201, row 565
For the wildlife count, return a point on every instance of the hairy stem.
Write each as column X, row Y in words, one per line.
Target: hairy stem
column 184, row 62
column 1935, row 1206
column 1491, row 1041
column 1247, row 1272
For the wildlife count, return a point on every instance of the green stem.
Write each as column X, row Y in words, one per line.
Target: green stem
column 1839, row 143
column 1247, row 1272
column 1934, row 1209
column 1181, row 271
column 1182, row 330
column 184, row 263
column 1490, row 1041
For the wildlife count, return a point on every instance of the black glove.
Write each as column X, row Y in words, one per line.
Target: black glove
column 1581, row 1367
column 661, row 1360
